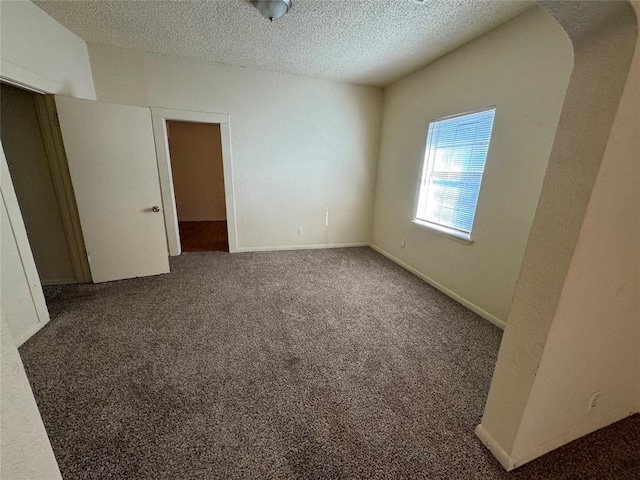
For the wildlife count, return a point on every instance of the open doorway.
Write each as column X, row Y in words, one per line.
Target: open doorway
column 35, row 157
column 198, row 182
column 160, row 118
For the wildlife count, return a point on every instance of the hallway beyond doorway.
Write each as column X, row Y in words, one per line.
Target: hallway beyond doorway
column 204, row 236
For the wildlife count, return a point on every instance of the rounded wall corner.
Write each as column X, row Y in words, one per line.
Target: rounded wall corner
column 604, row 37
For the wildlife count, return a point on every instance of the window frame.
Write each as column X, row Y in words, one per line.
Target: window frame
column 449, row 232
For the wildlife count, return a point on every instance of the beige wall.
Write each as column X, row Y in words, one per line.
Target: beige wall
column 567, row 331
column 27, row 159
column 594, row 341
column 298, row 145
column 25, row 451
column 143, row 83
column 196, row 167
column 523, row 69
column 38, row 51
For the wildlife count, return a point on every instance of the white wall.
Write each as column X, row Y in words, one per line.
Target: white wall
column 298, row 145
column 523, row 69
column 568, row 332
column 25, row 451
column 197, row 170
column 38, row 51
column 594, row 341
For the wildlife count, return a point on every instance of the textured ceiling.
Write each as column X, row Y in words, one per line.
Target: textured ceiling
column 371, row 42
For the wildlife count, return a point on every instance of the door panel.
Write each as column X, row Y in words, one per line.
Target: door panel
column 112, row 160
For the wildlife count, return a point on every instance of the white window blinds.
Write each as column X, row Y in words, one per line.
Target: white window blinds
column 454, row 161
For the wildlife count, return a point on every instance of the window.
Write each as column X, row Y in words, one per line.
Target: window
column 454, row 161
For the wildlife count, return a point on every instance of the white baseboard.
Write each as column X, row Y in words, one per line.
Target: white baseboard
column 471, row 306
column 570, row 436
column 502, row 456
column 202, row 219
column 30, row 333
column 301, row 247
column 510, row 463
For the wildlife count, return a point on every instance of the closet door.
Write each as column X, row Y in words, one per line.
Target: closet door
column 112, row 161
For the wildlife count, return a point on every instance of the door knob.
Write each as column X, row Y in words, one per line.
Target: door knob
column 155, row 208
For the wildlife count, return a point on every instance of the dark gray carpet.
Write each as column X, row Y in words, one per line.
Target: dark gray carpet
column 307, row 364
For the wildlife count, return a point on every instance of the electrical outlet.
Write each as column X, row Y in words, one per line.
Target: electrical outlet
column 593, row 403
column 403, row 243
column 300, row 231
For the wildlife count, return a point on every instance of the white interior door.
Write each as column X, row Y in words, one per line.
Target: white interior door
column 112, row 161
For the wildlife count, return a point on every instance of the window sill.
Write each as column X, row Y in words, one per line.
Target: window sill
column 444, row 231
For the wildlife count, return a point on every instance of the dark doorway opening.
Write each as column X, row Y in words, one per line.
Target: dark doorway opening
column 32, row 144
column 204, row 236
column 198, row 181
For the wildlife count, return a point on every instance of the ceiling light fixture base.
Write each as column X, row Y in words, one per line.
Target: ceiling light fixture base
column 273, row 9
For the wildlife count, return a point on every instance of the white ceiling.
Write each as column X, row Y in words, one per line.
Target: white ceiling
column 371, row 42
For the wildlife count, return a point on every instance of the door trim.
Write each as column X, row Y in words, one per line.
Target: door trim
column 59, row 168
column 159, row 118
column 19, row 233
column 21, row 78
